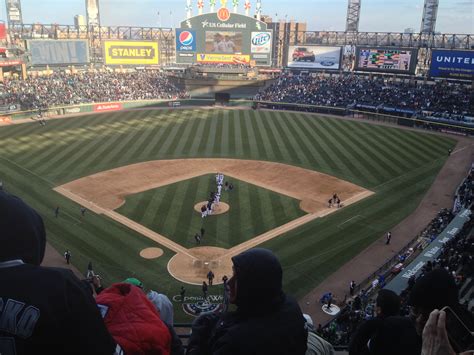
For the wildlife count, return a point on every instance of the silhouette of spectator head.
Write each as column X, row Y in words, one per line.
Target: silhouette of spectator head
column 22, row 232
column 387, row 304
column 256, row 272
column 434, row 290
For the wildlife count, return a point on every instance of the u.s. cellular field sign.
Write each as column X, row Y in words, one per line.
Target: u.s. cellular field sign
column 131, row 52
column 224, row 37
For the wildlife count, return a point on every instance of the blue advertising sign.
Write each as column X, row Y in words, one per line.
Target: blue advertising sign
column 185, row 40
column 452, row 64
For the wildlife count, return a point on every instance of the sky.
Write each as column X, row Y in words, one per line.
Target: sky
column 454, row 16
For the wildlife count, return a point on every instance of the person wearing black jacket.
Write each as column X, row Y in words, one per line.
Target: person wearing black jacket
column 42, row 310
column 266, row 320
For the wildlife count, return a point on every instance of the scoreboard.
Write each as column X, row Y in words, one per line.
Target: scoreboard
column 396, row 60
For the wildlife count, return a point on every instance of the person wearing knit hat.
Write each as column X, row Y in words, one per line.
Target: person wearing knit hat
column 44, row 310
column 163, row 305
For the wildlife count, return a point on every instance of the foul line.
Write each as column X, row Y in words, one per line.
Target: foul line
column 160, row 239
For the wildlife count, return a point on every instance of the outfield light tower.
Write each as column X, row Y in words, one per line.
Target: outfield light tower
column 353, row 16
column 430, row 14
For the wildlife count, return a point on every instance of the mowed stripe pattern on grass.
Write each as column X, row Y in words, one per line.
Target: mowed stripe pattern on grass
column 398, row 165
column 169, row 211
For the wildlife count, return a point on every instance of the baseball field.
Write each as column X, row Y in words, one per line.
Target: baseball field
column 143, row 175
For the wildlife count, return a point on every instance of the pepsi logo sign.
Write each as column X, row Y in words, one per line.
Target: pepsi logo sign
column 186, row 38
column 261, row 39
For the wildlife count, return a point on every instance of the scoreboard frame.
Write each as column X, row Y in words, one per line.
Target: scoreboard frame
column 411, row 69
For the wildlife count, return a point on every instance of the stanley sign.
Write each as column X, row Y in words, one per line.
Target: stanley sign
column 131, row 53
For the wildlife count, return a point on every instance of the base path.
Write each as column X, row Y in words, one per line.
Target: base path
column 106, row 191
column 440, row 195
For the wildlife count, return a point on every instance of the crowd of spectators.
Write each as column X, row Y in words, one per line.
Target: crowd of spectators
column 351, row 91
column 61, row 89
column 455, row 260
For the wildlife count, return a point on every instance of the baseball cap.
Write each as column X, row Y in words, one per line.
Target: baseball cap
column 134, row 281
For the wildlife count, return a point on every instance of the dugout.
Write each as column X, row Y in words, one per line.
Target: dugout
column 222, row 99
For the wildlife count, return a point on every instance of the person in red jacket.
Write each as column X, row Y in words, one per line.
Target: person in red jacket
column 133, row 320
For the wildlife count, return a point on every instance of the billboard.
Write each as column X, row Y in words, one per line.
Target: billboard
column 452, row 64
column 223, row 58
column 223, row 37
column 14, row 15
column 261, row 42
column 58, row 52
column 185, row 40
column 315, row 57
column 131, row 52
column 92, row 11
column 391, row 60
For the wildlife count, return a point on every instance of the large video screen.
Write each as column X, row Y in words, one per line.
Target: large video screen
column 223, row 42
column 386, row 59
column 58, row 52
column 314, row 57
column 452, row 64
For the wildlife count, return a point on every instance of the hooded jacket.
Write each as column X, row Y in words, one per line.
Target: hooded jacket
column 133, row 320
column 43, row 310
column 266, row 321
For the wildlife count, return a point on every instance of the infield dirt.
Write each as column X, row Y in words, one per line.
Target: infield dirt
column 106, row 191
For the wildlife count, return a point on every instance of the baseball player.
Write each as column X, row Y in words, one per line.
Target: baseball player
column 203, row 211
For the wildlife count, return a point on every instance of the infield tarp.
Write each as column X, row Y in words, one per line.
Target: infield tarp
column 400, row 282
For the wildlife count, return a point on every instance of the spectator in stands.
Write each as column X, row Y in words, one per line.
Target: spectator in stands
column 133, row 320
column 266, row 320
column 44, row 310
column 439, row 101
column 316, row 345
column 62, row 89
column 436, row 290
column 386, row 305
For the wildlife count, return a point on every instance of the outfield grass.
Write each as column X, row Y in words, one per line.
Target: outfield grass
column 398, row 165
column 169, row 211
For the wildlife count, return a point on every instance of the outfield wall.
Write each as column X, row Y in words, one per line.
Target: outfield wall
column 459, row 128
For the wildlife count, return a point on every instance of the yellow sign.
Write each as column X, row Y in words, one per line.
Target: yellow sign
column 131, row 53
column 223, row 58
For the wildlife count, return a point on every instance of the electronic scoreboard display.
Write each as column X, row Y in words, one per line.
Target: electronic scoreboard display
column 395, row 60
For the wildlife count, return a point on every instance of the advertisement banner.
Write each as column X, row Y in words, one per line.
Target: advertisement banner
column 223, row 58
column 261, row 42
column 390, row 60
column 315, row 57
column 58, row 52
column 14, row 15
column 131, row 53
column 114, row 106
column 185, row 40
column 5, row 120
column 3, row 31
column 8, row 63
column 452, row 64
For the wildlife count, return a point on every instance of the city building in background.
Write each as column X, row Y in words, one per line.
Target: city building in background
column 14, row 15
column 80, row 21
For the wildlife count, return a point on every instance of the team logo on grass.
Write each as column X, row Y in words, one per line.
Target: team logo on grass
column 194, row 306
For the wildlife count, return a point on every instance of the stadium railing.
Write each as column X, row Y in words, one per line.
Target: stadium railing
column 458, row 128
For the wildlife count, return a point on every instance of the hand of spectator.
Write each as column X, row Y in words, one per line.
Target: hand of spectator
column 201, row 333
column 435, row 336
column 96, row 281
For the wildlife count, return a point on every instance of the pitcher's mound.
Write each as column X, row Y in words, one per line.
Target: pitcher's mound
column 151, row 253
column 221, row 209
